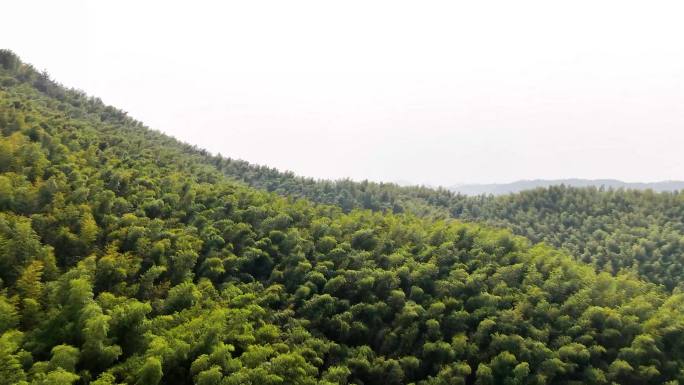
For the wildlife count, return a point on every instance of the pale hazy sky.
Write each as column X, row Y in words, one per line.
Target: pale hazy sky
column 421, row 91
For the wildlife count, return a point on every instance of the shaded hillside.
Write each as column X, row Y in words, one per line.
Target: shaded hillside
column 611, row 229
column 127, row 258
column 641, row 231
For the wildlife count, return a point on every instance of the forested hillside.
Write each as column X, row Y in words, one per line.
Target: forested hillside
column 128, row 258
column 642, row 231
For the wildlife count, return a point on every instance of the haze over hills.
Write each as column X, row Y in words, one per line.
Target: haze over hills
column 127, row 257
column 522, row 185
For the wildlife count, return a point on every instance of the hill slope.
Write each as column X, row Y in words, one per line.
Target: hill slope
column 612, row 229
column 127, row 258
column 641, row 231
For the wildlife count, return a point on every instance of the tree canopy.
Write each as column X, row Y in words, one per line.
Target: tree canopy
column 130, row 258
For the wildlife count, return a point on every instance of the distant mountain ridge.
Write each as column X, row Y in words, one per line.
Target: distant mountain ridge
column 514, row 187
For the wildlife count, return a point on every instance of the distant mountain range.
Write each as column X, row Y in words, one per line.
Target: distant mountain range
column 507, row 188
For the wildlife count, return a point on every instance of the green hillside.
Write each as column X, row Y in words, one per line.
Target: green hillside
column 642, row 231
column 129, row 258
column 612, row 229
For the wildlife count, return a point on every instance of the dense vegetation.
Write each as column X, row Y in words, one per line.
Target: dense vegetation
column 641, row 231
column 127, row 257
column 611, row 229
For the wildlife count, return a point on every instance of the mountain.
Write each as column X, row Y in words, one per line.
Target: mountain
column 522, row 185
column 610, row 229
column 127, row 257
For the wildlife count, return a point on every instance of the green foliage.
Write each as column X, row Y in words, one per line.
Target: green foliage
column 613, row 230
column 9, row 319
column 64, row 357
column 150, row 373
column 129, row 258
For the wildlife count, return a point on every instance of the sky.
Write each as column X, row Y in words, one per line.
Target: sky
column 430, row 92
